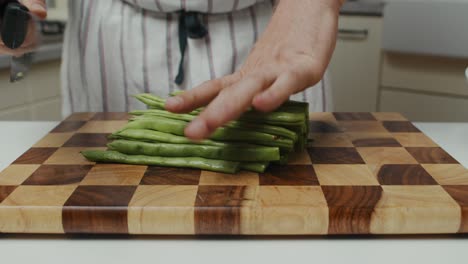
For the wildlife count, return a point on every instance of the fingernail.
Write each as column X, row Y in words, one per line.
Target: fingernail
column 196, row 129
column 38, row 7
column 174, row 102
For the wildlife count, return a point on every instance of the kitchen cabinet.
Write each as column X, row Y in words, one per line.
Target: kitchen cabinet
column 424, row 60
column 37, row 97
column 425, row 107
column 355, row 65
column 424, row 88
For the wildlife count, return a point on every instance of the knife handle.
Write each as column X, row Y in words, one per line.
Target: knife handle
column 14, row 28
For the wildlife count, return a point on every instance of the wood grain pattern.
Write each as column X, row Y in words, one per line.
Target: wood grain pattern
column 431, row 155
column 301, row 158
column 243, row 178
column 380, row 156
column 323, row 127
column 351, row 208
column 53, row 140
column 162, row 209
column 16, row 174
column 345, row 175
column 362, row 173
column 373, row 140
column 87, row 140
column 289, row 175
column 323, row 123
column 289, row 210
column 414, row 140
column 68, row 126
column 326, row 117
column 102, row 127
column 400, row 126
column 399, row 174
column 354, row 116
column 35, row 156
column 58, row 175
column 362, row 127
column 460, row 194
column 218, row 208
column 97, row 209
column 114, row 174
column 415, row 210
column 155, row 175
column 448, row 174
column 388, row 116
column 5, row 191
column 70, row 156
column 34, row 209
column 335, row 156
column 329, row 140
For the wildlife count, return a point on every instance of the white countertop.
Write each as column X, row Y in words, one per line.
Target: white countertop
column 17, row 137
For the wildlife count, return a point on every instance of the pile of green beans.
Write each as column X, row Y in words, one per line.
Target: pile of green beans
column 156, row 137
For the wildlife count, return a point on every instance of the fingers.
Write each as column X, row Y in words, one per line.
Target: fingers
column 287, row 83
column 37, row 7
column 228, row 105
column 200, row 95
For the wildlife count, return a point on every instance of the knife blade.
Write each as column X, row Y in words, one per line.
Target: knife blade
column 19, row 66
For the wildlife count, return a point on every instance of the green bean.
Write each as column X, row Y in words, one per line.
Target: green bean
column 254, row 166
column 175, row 93
column 223, row 133
column 157, row 136
column 187, row 162
column 273, row 118
column 231, row 153
column 150, row 102
column 269, row 129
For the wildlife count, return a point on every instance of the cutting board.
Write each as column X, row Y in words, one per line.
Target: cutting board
column 363, row 173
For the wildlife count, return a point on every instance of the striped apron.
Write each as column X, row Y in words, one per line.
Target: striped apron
column 115, row 49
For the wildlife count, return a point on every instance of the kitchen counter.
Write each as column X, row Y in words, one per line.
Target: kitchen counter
column 16, row 137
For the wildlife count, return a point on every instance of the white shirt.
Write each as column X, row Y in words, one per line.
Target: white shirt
column 115, row 49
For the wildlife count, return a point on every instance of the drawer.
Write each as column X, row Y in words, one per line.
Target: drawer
column 43, row 80
column 11, row 94
column 22, row 113
column 424, row 107
column 425, row 73
column 48, row 110
column 354, row 68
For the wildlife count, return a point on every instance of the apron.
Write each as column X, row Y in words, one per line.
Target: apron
column 115, row 49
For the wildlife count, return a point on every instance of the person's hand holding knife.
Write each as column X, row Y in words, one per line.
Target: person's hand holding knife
column 38, row 9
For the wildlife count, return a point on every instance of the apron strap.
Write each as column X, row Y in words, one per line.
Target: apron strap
column 190, row 26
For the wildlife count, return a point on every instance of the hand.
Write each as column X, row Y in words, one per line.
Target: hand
column 291, row 55
column 38, row 9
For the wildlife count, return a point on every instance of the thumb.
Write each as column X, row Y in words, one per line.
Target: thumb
column 36, row 7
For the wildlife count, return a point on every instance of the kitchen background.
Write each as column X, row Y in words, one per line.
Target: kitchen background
column 401, row 55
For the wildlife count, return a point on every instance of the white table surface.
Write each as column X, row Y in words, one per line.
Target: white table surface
column 17, row 137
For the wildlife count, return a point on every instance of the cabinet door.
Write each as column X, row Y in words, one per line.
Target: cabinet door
column 355, row 65
column 425, row 107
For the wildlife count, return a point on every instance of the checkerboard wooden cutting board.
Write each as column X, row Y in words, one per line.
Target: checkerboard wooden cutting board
column 364, row 173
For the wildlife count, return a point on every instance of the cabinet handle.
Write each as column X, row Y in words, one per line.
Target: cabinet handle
column 466, row 74
column 358, row 34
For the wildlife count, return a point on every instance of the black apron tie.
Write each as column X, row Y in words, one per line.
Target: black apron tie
column 190, row 26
